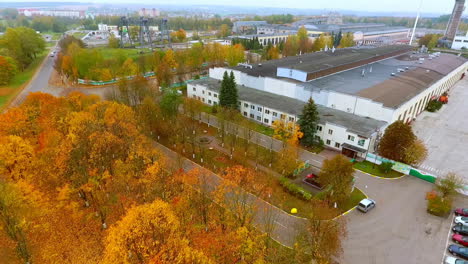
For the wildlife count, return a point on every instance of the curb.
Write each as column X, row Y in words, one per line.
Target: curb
column 379, row 177
column 350, row 210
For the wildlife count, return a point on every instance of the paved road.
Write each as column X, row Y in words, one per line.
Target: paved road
column 445, row 133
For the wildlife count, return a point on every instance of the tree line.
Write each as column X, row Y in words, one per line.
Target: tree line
column 19, row 47
column 75, row 61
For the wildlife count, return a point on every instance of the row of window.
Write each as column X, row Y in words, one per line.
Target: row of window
column 209, row 93
column 350, row 137
column 259, row 118
column 267, row 111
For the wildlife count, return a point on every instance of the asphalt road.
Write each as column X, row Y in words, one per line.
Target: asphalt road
column 445, row 134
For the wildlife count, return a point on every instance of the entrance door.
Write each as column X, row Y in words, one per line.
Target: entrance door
column 349, row 153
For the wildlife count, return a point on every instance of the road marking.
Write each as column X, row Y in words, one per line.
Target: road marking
column 448, row 238
column 278, row 223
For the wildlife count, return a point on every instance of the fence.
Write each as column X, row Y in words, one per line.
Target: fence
column 98, row 83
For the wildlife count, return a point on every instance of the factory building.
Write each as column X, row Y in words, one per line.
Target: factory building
column 359, row 91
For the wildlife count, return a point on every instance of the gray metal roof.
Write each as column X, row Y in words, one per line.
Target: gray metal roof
column 362, row 126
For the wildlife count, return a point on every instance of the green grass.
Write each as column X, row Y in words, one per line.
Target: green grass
column 356, row 196
column 21, row 78
column 373, row 169
column 108, row 53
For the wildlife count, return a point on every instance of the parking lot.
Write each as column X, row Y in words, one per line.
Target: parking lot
column 445, row 134
column 398, row 230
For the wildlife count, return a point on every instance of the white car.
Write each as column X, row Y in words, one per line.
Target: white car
column 461, row 220
column 452, row 260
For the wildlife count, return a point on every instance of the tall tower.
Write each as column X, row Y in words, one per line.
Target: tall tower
column 454, row 21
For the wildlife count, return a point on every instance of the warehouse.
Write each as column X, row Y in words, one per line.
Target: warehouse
column 380, row 85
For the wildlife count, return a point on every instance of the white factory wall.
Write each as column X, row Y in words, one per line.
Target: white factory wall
column 459, row 42
column 291, row 73
column 417, row 104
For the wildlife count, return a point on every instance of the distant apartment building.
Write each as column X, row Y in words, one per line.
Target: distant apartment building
column 58, row 13
column 149, row 12
column 243, row 27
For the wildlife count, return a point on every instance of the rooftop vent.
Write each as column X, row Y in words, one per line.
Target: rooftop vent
column 300, row 61
column 259, row 65
column 400, row 70
column 393, row 74
column 406, row 68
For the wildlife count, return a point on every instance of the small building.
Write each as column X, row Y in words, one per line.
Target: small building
column 460, row 42
column 249, row 27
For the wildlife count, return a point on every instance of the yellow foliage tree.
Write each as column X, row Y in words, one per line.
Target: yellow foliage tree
column 289, row 132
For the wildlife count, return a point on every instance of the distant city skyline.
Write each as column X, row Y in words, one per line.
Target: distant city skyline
column 407, row 6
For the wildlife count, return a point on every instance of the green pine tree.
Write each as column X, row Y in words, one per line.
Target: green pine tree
column 308, row 121
column 224, row 91
column 233, row 96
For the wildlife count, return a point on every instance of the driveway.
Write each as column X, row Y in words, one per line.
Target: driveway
column 445, row 134
column 398, row 230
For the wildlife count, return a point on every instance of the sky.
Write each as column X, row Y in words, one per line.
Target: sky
column 428, row 6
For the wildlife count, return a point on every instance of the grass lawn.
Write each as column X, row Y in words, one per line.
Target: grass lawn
column 7, row 91
column 356, row 196
column 373, row 169
column 108, row 53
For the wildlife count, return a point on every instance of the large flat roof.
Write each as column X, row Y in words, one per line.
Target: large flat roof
column 363, row 126
column 379, row 85
column 319, row 61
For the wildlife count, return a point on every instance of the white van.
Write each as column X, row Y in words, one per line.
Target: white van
column 366, row 205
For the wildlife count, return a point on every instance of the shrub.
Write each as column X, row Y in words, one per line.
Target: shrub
column 385, row 167
column 295, row 190
column 434, row 105
column 437, row 205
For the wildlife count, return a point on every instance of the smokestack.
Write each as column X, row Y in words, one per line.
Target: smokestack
column 454, row 21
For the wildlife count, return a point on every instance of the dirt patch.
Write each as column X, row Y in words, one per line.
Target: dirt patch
column 5, row 91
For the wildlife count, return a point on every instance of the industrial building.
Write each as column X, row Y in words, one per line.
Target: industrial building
column 460, row 42
column 243, row 27
column 359, row 91
column 264, row 39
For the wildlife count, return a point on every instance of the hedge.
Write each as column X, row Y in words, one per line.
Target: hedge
column 295, row 190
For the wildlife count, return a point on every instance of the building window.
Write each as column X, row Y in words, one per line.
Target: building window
column 361, row 142
column 328, row 142
column 283, row 116
column 203, row 99
column 337, row 145
column 245, row 113
column 291, row 119
column 267, row 111
column 209, row 93
column 259, row 118
column 209, row 101
column 252, row 116
column 330, row 132
column 215, row 95
column 266, row 121
column 351, row 138
column 194, row 89
column 246, row 105
column 215, row 103
column 317, row 138
column 319, row 128
column 252, row 107
column 259, row 109
column 203, row 92
column 275, row 114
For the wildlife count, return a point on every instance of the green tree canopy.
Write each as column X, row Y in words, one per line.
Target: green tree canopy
column 308, row 121
column 338, row 174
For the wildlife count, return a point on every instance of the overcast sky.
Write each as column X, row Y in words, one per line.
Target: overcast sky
column 428, row 6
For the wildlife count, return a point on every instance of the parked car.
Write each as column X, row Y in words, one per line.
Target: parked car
column 461, row 211
column 458, row 251
column 366, row 205
column 311, row 179
column 460, row 229
column 461, row 220
column 459, row 239
column 452, row 260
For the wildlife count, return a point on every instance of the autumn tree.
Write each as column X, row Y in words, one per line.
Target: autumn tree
column 308, row 121
column 223, row 31
column 397, row 139
column 273, row 53
column 150, row 233
column 287, row 160
column 321, row 242
column 170, row 103
column 415, row 153
column 291, row 46
column 448, row 185
column 305, row 45
column 23, row 44
column 235, row 54
column 114, row 42
column 8, row 69
column 338, row 174
column 347, row 40
column 288, row 132
column 181, row 35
